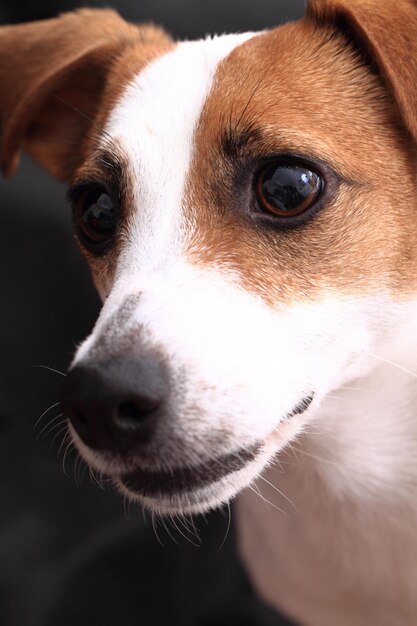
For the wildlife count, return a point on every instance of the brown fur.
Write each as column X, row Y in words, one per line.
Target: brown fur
column 387, row 32
column 60, row 78
column 306, row 89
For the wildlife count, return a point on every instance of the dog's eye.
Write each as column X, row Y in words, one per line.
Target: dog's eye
column 95, row 216
column 286, row 190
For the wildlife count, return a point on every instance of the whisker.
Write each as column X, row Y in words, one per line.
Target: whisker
column 68, row 449
column 100, row 130
column 106, row 163
column 47, row 426
column 144, row 517
column 229, row 522
column 293, row 450
column 63, row 430
column 278, row 491
column 62, row 443
column 248, row 103
column 193, row 526
column 268, row 502
column 95, row 479
column 154, row 526
column 44, row 413
column 393, row 363
column 126, row 509
column 51, row 369
column 254, row 487
column 186, row 523
column 178, row 529
column 316, row 458
column 277, row 463
column 282, row 462
column 54, row 427
column 164, row 523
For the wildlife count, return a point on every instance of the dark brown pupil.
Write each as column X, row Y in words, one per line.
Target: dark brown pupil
column 100, row 215
column 287, row 190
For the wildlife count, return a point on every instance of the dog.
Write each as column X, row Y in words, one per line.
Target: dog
column 247, row 206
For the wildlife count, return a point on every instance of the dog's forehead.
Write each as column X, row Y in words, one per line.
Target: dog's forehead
column 306, row 92
column 155, row 123
column 164, row 100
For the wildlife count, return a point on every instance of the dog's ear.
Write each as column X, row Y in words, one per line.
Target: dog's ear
column 53, row 74
column 385, row 31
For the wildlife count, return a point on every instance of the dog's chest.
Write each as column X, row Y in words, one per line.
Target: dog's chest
column 321, row 572
column 342, row 551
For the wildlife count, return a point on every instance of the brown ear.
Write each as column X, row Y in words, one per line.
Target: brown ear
column 53, row 74
column 386, row 32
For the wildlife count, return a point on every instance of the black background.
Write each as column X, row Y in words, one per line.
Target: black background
column 69, row 553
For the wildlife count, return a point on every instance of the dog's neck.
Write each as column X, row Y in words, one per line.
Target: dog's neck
column 344, row 552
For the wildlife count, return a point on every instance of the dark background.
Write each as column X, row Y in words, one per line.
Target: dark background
column 70, row 555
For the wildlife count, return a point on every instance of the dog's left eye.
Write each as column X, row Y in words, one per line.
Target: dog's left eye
column 95, row 216
column 287, row 189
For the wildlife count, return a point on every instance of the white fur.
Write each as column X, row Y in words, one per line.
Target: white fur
column 344, row 554
column 155, row 121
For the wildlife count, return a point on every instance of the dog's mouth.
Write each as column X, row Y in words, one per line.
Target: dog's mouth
column 190, row 487
column 183, row 480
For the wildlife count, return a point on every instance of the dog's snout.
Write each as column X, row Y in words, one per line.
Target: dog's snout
column 114, row 405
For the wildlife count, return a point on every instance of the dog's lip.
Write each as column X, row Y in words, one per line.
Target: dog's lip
column 302, row 406
column 186, row 479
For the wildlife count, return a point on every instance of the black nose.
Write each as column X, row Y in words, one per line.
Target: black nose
column 114, row 405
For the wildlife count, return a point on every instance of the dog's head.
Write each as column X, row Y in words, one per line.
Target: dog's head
column 247, row 205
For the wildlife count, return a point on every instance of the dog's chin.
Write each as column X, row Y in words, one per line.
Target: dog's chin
column 185, row 491
column 187, row 503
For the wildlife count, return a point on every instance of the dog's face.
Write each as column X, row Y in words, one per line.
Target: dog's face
column 247, row 207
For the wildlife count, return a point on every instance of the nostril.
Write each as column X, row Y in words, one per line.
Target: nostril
column 131, row 414
column 137, row 411
column 128, row 411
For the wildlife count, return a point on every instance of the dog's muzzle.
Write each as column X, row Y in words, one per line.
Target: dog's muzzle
column 117, row 407
column 125, row 416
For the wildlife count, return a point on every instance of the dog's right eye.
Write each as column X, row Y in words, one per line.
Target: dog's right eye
column 94, row 216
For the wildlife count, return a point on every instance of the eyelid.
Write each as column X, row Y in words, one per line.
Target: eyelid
column 77, row 189
column 318, row 166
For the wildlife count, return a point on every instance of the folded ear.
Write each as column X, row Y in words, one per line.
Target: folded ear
column 386, row 32
column 53, row 75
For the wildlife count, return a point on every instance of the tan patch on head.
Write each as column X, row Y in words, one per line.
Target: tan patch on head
column 302, row 89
